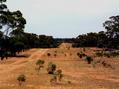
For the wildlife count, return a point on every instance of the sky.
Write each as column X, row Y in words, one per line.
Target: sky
column 65, row 18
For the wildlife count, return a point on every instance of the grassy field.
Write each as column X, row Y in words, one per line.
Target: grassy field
column 77, row 73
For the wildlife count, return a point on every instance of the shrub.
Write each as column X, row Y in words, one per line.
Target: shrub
column 81, row 55
column 51, row 68
column 70, row 54
column 40, row 63
column 48, row 54
column 99, row 54
column 59, row 74
column 89, row 59
column 94, row 64
column 69, row 82
column 108, row 55
column 21, row 79
column 78, row 54
column 55, row 55
column 114, row 54
column 55, row 51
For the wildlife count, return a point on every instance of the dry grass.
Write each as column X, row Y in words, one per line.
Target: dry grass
column 77, row 73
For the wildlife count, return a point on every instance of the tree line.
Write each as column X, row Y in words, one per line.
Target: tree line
column 13, row 39
column 103, row 39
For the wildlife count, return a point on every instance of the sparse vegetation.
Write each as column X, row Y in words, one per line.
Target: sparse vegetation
column 81, row 54
column 53, row 79
column 55, row 55
column 65, row 55
column 55, row 51
column 51, row 68
column 59, row 74
column 21, row 79
column 40, row 63
column 14, row 40
column 107, row 54
column 99, row 54
column 48, row 54
column 69, row 82
column 89, row 59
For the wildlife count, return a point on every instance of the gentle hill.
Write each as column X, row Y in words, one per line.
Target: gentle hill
column 77, row 74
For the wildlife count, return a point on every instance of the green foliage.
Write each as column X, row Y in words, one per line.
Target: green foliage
column 112, row 27
column 11, row 20
column 89, row 59
column 86, row 40
column 40, row 63
column 57, row 76
column 47, row 42
column 1, row 1
column 114, row 54
column 81, row 54
column 99, row 54
column 107, row 54
column 21, row 79
column 111, row 54
column 102, row 39
column 51, row 68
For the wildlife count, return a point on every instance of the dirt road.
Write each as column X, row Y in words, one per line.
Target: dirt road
column 10, row 65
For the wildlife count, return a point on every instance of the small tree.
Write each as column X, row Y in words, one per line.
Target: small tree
column 89, row 59
column 51, row 68
column 40, row 63
column 59, row 74
column 48, row 54
column 21, row 79
column 81, row 54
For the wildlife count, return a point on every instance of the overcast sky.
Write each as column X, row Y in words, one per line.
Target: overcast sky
column 65, row 18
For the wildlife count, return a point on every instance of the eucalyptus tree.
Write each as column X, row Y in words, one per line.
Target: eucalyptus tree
column 112, row 31
column 10, row 22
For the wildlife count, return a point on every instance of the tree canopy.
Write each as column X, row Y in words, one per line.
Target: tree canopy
column 105, row 39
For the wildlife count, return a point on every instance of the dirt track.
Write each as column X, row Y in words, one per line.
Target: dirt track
column 78, row 72
column 12, row 64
